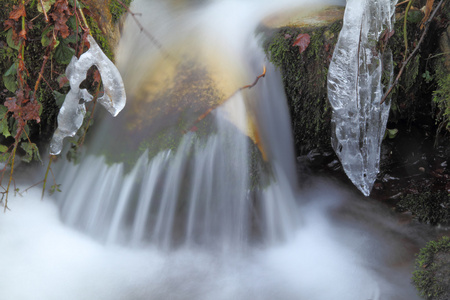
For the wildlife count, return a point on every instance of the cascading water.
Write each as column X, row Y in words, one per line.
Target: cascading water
column 217, row 213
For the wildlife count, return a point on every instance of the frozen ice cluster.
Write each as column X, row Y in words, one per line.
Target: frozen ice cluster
column 72, row 112
column 355, row 89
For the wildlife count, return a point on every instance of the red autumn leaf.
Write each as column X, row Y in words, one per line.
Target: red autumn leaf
column 302, row 41
column 17, row 12
column 30, row 111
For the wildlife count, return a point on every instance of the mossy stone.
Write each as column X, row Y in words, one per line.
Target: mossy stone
column 432, row 275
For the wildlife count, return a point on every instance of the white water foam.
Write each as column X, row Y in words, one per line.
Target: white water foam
column 328, row 258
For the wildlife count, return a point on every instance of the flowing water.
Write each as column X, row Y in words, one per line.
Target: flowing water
column 215, row 210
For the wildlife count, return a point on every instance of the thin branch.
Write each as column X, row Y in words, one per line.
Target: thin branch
column 232, row 95
column 401, row 3
column 152, row 38
column 405, row 63
column 41, row 74
column 30, row 187
column 43, row 10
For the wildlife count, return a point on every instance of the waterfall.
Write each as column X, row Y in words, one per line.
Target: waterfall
column 175, row 200
column 355, row 89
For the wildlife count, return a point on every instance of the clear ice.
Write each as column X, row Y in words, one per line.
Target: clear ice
column 355, row 89
column 72, row 112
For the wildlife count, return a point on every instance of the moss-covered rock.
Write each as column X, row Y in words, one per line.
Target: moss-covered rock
column 432, row 275
column 305, row 77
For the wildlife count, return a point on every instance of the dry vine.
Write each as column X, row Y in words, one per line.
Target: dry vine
column 416, row 49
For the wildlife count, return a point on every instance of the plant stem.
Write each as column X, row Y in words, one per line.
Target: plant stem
column 405, row 32
column 46, row 174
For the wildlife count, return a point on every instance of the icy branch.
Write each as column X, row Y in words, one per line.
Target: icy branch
column 355, row 89
column 70, row 117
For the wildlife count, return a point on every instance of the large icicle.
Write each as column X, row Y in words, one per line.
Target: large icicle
column 72, row 112
column 355, row 89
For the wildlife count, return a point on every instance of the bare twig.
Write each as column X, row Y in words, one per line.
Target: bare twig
column 152, row 38
column 249, row 86
column 30, row 187
column 43, row 10
column 41, row 74
column 405, row 63
column 401, row 3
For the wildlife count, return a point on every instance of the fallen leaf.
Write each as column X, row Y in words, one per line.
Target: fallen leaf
column 302, row 41
column 17, row 12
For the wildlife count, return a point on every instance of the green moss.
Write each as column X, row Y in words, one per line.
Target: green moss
column 432, row 273
column 117, row 10
column 100, row 38
column 428, row 207
column 441, row 96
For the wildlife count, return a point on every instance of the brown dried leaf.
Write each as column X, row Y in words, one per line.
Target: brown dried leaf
column 11, row 104
column 30, row 111
column 428, row 9
column 17, row 12
column 60, row 16
column 302, row 41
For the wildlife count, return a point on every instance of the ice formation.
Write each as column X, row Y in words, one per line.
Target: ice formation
column 355, row 89
column 72, row 112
